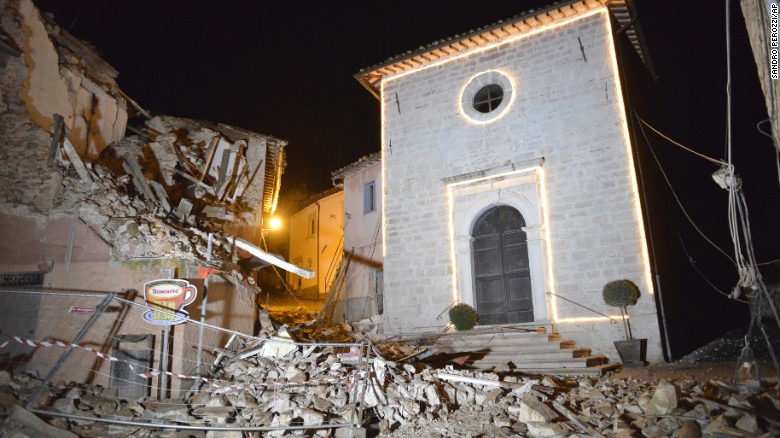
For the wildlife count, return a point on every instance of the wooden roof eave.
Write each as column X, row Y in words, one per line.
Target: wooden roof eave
column 362, row 77
column 453, row 46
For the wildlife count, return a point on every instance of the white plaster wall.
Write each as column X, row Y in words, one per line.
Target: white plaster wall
column 362, row 233
column 565, row 109
column 317, row 251
column 331, row 229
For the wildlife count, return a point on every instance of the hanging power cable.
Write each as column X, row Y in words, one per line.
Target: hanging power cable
column 701, row 274
column 668, row 183
column 750, row 282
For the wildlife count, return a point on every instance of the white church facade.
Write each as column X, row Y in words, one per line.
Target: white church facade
column 508, row 180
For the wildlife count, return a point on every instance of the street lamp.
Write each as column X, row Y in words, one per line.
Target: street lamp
column 274, row 223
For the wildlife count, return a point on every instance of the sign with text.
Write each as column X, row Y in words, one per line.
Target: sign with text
column 77, row 309
column 167, row 299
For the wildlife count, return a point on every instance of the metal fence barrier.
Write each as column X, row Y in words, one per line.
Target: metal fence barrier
column 101, row 340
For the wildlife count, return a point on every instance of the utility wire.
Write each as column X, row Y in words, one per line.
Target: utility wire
column 696, row 268
column 749, row 276
column 712, row 160
column 666, row 178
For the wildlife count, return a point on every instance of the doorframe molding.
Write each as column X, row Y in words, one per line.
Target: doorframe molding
column 519, row 189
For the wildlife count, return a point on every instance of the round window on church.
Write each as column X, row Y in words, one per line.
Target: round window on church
column 486, row 96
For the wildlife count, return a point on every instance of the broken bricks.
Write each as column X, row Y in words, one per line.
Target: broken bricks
column 313, row 386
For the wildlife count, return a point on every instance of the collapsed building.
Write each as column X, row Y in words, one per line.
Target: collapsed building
column 88, row 209
column 98, row 196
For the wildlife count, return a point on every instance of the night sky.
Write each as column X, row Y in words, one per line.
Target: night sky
column 285, row 69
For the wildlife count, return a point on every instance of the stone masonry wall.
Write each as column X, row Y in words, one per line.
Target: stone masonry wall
column 566, row 109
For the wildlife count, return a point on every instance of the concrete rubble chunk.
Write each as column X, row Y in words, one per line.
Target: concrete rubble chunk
column 538, row 429
column 5, row 378
column 717, row 425
column 350, row 432
column 224, row 434
column 501, row 421
column 64, row 405
column 312, row 417
column 748, row 423
column 664, row 399
column 531, row 409
column 25, row 422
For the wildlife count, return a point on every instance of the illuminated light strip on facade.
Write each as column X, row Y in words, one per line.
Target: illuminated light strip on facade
column 543, row 28
column 451, row 221
column 548, row 244
column 645, row 254
column 632, row 181
column 383, row 158
column 453, row 254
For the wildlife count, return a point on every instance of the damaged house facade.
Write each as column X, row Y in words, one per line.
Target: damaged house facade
column 509, row 181
column 90, row 204
column 362, row 184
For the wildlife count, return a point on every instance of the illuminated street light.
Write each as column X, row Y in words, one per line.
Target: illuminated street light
column 274, row 223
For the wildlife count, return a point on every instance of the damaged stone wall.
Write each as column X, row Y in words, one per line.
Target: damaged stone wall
column 155, row 194
column 65, row 77
column 100, row 211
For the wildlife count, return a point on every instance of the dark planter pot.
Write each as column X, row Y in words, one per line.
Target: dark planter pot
column 633, row 352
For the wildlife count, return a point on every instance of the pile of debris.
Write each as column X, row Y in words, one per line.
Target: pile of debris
column 159, row 193
column 282, row 385
column 65, row 143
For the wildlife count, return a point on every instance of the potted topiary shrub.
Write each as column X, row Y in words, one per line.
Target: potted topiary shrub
column 463, row 316
column 624, row 293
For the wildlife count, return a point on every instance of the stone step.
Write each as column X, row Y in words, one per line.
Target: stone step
column 518, row 362
column 594, row 371
column 549, row 354
column 500, row 329
column 513, row 338
column 529, row 357
column 519, row 349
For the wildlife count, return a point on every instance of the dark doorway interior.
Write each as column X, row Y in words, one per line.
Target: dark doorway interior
column 501, row 271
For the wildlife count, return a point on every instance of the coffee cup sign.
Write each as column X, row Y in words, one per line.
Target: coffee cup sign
column 167, row 299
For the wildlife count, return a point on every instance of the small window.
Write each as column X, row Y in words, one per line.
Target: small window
column 369, row 197
column 311, row 226
column 488, row 98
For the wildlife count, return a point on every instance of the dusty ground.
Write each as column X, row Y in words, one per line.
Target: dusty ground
column 673, row 371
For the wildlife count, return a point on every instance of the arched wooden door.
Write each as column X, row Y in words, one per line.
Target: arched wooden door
column 501, row 271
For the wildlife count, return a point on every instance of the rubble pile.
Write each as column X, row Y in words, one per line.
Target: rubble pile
column 280, row 384
column 160, row 195
column 66, row 150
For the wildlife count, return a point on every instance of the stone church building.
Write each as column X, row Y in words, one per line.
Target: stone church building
column 509, row 180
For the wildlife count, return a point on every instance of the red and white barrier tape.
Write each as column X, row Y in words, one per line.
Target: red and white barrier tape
column 149, row 374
